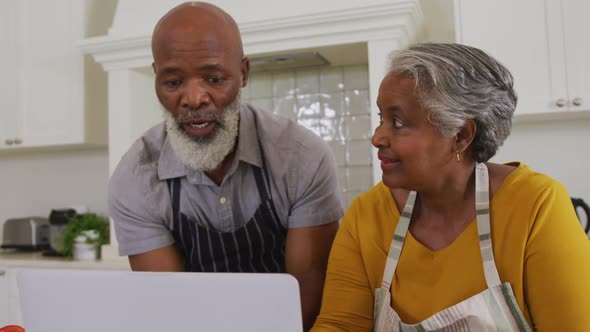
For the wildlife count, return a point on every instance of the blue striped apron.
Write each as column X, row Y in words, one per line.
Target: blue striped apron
column 494, row 309
column 257, row 246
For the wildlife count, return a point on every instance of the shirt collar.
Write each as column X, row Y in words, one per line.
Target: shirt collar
column 169, row 166
column 248, row 144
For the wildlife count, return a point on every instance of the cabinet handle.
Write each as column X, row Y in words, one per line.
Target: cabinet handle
column 2, row 273
column 577, row 101
column 560, row 102
column 8, row 142
column 17, row 141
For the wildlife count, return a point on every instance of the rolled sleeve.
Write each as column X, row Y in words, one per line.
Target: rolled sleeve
column 137, row 205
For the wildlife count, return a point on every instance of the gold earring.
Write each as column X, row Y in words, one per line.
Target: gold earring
column 458, row 156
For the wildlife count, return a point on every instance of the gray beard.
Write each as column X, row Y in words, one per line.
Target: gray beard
column 205, row 154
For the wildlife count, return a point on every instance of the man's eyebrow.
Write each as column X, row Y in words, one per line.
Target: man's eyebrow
column 207, row 67
column 169, row 70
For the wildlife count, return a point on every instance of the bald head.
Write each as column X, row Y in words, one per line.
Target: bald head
column 197, row 20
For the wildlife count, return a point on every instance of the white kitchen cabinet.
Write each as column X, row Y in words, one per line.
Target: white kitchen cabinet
column 9, row 304
column 577, row 52
column 9, row 67
column 542, row 43
column 4, row 305
column 46, row 102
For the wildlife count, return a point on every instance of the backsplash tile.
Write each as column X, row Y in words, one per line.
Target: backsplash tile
column 332, row 102
column 261, row 87
column 262, row 103
column 285, row 106
column 357, row 101
column 356, row 78
column 331, row 80
column 283, row 84
column 358, row 127
column 307, row 81
column 359, row 153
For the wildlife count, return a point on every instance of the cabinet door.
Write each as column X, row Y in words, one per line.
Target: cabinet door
column 577, row 47
column 9, row 302
column 53, row 110
column 5, row 310
column 518, row 35
column 11, row 81
column 4, row 300
column 14, row 310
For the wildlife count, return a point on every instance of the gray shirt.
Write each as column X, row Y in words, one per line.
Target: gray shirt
column 301, row 166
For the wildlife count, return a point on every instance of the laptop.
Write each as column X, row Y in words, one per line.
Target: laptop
column 98, row 301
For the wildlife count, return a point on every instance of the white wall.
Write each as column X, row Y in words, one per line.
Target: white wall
column 557, row 148
column 438, row 21
column 31, row 184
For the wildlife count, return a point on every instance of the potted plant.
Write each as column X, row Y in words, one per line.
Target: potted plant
column 83, row 235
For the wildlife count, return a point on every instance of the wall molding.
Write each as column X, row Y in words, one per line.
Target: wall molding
column 397, row 20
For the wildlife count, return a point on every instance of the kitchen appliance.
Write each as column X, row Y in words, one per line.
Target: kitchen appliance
column 58, row 218
column 30, row 233
column 582, row 209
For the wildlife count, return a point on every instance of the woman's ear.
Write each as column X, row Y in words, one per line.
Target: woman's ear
column 465, row 136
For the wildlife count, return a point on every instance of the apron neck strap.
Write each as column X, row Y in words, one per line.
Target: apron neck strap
column 482, row 211
column 482, row 206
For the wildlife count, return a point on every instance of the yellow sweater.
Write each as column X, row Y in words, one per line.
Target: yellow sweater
column 539, row 247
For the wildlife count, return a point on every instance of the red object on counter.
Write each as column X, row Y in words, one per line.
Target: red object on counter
column 12, row 328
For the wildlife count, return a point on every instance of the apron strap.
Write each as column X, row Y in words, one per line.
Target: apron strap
column 482, row 210
column 266, row 189
column 398, row 240
column 482, row 206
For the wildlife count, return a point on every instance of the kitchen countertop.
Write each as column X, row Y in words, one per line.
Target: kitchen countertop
column 19, row 259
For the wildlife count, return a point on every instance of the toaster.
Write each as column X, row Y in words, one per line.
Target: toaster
column 31, row 233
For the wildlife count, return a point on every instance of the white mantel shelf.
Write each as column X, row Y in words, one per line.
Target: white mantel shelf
column 382, row 20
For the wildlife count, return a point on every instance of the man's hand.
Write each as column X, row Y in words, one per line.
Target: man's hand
column 306, row 258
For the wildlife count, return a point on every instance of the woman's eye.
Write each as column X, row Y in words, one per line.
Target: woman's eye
column 397, row 124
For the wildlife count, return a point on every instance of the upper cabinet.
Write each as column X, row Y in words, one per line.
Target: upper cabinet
column 542, row 43
column 9, row 67
column 577, row 51
column 49, row 97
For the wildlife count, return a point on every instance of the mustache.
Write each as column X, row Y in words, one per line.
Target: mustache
column 206, row 115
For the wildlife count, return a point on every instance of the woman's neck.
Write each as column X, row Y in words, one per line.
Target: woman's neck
column 451, row 196
column 443, row 211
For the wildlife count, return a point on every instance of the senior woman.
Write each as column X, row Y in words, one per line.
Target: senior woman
column 449, row 241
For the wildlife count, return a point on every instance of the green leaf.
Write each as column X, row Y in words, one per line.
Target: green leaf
column 82, row 222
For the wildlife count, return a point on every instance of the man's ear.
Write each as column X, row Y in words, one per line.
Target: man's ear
column 465, row 136
column 245, row 70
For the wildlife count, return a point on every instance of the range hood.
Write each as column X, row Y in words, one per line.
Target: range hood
column 279, row 62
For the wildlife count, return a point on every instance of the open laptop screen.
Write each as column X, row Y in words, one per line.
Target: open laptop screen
column 98, row 301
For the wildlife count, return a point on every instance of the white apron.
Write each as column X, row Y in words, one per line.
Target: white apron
column 494, row 309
